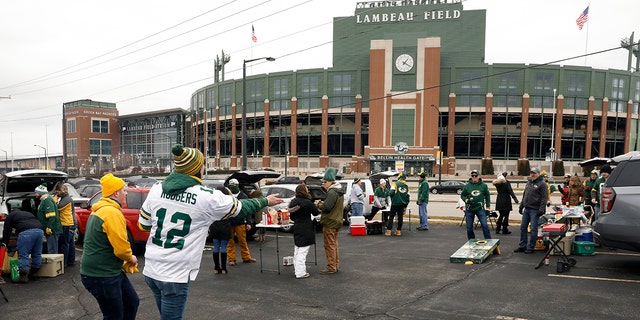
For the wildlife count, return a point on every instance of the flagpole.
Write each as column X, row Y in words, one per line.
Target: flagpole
column 586, row 42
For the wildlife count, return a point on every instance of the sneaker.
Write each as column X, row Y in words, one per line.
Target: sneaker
column 398, row 233
column 497, row 231
column 387, row 233
column 520, row 250
column 528, row 251
column 250, row 260
column 306, row 275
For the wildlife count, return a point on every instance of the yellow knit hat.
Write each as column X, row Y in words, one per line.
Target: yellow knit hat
column 187, row 160
column 110, row 184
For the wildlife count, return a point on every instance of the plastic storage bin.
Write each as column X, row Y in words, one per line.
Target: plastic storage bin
column 583, row 248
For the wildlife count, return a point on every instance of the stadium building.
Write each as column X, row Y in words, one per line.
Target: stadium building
column 408, row 81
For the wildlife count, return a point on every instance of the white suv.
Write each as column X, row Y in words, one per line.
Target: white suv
column 20, row 185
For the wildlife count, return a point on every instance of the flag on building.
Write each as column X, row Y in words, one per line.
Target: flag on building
column 255, row 39
column 583, row 18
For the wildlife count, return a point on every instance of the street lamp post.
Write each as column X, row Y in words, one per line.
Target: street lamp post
column 46, row 157
column 553, row 127
column 244, row 107
column 440, row 144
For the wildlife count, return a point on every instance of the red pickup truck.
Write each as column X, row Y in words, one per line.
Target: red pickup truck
column 130, row 209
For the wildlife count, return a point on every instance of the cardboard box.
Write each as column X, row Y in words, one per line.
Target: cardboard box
column 287, row 261
column 358, row 230
column 52, row 265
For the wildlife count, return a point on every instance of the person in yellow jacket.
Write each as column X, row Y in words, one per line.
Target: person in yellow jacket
column 107, row 252
column 66, row 244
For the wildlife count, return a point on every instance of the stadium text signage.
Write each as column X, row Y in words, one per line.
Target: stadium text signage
column 404, row 15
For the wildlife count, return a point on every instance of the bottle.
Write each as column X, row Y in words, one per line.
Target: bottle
column 546, row 260
column 268, row 219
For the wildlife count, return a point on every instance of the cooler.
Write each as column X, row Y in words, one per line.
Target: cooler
column 358, row 230
column 52, row 265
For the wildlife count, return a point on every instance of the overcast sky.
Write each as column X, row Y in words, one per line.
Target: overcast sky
column 151, row 55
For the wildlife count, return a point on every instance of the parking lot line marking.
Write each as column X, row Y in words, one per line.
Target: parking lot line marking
column 620, row 254
column 592, row 278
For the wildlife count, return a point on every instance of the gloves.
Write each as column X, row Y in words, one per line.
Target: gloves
column 48, row 231
column 128, row 267
column 520, row 210
column 541, row 213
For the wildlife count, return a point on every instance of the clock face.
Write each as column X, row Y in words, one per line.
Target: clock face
column 404, row 62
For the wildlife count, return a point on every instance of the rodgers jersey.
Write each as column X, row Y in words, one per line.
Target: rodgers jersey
column 178, row 229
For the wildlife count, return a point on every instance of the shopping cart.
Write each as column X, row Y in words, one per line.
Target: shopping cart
column 556, row 232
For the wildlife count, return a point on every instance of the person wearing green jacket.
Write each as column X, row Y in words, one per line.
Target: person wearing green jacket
column 476, row 196
column 423, row 200
column 332, row 208
column 399, row 194
column 49, row 217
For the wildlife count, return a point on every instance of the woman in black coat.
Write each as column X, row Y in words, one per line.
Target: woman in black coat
column 301, row 208
column 220, row 231
column 503, row 202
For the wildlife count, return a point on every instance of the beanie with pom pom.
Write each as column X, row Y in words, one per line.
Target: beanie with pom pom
column 187, row 160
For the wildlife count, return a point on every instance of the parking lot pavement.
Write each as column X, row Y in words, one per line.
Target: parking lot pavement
column 406, row 277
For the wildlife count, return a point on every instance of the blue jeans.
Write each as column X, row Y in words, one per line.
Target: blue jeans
column 52, row 243
column 528, row 216
column 482, row 217
column 220, row 245
column 115, row 295
column 67, row 245
column 424, row 220
column 171, row 297
column 30, row 242
column 356, row 209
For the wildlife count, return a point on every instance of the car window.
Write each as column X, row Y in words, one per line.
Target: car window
column 95, row 199
column 344, row 186
column 625, row 174
column 135, row 199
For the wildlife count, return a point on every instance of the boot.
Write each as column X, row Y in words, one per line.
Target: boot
column 498, row 228
column 387, row 233
column 216, row 262
column 398, row 233
column 32, row 273
column 223, row 263
column 505, row 230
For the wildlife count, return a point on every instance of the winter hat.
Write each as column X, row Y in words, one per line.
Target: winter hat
column 383, row 181
column 110, row 184
column 423, row 174
column 536, row 170
column 594, row 171
column 474, row 171
column 330, row 174
column 402, row 176
column 356, row 180
column 187, row 160
column 606, row 168
column 42, row 189
column 234, row 186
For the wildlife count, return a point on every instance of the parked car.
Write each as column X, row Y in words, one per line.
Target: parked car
column 130, row 209
column 448, row 187
column 77, row 199
column 17, row 188
column 78, row 182
column 289, row 180
column 619, row 218
column 287, row 192
column 88, row 190
column 141, row 181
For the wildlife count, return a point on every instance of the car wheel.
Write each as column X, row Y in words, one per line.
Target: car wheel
column 434, row 191
column 459, row 191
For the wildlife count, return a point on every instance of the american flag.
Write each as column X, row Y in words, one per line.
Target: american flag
column 583, row 18
column 255, row 39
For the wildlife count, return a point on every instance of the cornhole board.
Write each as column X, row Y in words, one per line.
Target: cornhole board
column 476, row 250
